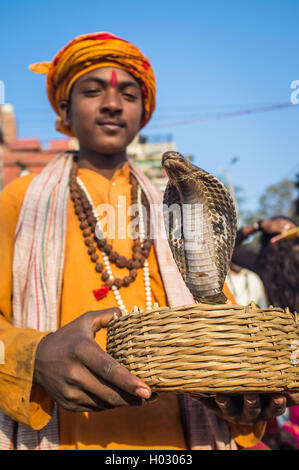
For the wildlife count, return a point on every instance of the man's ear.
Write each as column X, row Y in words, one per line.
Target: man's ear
column 64, row 112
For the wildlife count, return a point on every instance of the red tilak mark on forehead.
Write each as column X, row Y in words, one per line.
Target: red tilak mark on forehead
column 113, row 79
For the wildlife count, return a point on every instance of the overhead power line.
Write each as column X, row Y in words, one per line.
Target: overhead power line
column 231, row 114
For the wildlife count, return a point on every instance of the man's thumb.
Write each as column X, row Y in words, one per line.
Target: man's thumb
column 101, row 318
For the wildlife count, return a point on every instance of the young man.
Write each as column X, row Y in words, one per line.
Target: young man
column 62, row 285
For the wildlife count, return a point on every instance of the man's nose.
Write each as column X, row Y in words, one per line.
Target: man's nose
column 111, row 102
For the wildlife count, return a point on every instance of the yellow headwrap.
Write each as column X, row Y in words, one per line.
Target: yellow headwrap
column 89, row 52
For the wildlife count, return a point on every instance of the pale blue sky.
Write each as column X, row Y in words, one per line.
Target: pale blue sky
column 209, row 57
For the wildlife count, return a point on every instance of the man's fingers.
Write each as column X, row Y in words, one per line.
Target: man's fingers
column 276, row 407
column 292, row 398
column 276, row 239
column 86, row 389
column 227, row 406
column 100, row 318
column 83, row 401
column 252, row 408
column 104, row 366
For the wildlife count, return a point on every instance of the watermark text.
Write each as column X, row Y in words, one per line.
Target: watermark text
column 295, row 93
column 159, row 221
column 2, row 93
column 295, row 353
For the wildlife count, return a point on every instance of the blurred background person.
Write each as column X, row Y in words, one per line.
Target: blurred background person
column 276, row 261
column 246, row 286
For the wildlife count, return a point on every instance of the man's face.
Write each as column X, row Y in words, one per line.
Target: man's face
column 105, row 110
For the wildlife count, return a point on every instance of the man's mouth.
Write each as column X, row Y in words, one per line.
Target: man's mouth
column 110, row 126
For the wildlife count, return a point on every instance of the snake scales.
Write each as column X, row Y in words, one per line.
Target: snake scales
column 200, row 221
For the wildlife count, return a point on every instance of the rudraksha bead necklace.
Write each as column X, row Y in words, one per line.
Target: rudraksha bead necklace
column 94, row 239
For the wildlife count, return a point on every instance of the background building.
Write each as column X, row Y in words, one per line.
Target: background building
column 22, row 156
column 147, row 152
column 8, row 124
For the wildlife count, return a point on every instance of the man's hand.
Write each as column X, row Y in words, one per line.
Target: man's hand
column 250, row 408
column 78, row 374
column 278, row 225
column 292, row 234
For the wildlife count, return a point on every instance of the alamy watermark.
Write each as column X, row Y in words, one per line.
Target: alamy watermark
column 295, row 93
column 295, row 353
column 2, row 93
column 160, row 221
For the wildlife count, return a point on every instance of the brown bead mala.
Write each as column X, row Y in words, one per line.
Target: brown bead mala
column 140, row 251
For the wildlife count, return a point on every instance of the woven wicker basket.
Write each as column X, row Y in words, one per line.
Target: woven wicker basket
column 206, row 349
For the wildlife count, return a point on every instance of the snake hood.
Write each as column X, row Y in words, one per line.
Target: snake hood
column 202, row 233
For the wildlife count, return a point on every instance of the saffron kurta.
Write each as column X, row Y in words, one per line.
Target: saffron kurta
column 121, row 428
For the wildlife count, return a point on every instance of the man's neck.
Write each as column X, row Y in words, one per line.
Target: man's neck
column 105, row 165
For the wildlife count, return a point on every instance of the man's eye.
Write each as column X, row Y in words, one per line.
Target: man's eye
column 130, row 96
column 92, row 91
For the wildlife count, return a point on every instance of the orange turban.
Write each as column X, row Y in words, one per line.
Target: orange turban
column 89, row 52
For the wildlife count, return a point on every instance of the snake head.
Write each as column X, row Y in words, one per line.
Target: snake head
column 179, row 171
column 176, row 166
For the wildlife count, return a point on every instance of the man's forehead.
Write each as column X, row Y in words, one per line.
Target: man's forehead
column 106, row 73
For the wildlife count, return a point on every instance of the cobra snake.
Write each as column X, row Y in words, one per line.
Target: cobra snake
column 200, row 221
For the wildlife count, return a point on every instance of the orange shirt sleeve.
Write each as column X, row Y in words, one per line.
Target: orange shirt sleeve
column 24, row 403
